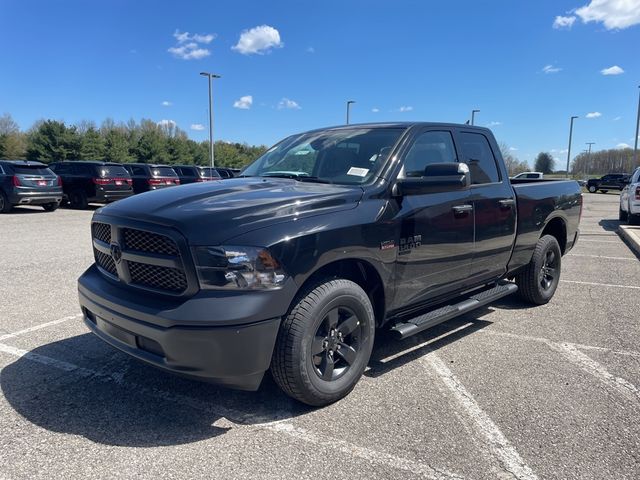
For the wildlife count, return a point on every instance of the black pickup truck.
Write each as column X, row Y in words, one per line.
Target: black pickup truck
column 327, row 237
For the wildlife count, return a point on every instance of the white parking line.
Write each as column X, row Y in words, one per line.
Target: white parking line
column 243, row 419
column 600, row 284
column 572, row 353
column 39, row 327
column 599, row 241
column 632, row 259
column 500, row 447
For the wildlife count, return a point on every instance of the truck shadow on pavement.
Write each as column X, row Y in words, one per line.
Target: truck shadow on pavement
column 82, row 387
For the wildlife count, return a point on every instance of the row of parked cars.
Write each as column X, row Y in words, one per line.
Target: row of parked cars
column 80, row 183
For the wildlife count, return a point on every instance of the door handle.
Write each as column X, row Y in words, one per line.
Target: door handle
column 462, row 209
column 506, row 203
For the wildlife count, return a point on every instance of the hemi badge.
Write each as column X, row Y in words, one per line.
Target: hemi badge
column 387, row 245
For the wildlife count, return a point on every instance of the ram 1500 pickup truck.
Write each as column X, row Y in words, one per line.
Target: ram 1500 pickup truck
column 326, row 238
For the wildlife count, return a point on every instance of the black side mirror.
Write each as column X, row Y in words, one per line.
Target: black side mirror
column 438, row 177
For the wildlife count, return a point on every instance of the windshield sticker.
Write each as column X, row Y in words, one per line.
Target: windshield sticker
column 358, row 172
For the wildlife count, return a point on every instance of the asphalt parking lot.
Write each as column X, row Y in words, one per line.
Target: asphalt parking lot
column 505, row 392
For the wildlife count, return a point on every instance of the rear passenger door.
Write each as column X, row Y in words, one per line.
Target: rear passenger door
column 493, row 202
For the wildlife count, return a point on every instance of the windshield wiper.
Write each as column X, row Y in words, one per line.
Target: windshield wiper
column 298, row 177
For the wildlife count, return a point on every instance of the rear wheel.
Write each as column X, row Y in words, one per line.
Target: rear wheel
column 5, row 206
column 50, row 207
column 324, row 343
column 604, row 191
column 592, row 189
column 622, row 215
column 538, row 282
column 78, row 200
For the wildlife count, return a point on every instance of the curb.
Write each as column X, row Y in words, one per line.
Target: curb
column 632, row 236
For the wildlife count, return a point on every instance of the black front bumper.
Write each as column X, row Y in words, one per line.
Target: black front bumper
column 205, row 346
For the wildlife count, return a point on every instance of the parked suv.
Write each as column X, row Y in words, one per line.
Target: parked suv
column 612, row 181
column 630, row 200
column 93, row 182
column 151, row 177
column 195, row 173
column 28, row 183
column 225, row 172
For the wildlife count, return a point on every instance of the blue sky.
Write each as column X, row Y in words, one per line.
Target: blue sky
column 299, row 61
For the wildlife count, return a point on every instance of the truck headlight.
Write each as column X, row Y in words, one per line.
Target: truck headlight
column 235, row 267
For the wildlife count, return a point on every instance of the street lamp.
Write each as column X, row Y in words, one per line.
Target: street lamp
column 473, row 115
column 586, row 167
column 210, row 76
column 349, row 102
column 569, row 149
column 635, row 146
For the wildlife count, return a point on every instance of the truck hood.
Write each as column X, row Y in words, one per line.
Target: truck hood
column 210, row 213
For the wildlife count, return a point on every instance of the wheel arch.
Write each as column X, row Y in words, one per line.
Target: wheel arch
column 556, row 227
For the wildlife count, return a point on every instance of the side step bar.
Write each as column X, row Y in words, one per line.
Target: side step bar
column 442, row 314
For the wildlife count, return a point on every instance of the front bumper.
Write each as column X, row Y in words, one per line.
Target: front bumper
column 219, row 339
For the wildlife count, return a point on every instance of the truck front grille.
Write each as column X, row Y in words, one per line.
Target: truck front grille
column 139, row 258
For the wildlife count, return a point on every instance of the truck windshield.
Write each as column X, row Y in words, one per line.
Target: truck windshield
column 346, row 156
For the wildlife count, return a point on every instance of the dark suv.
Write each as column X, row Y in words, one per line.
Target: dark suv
column 611, row 181
column 195, row 173
column 28, row 183
column 225, row 172
column 148, row 177
column 93, row 182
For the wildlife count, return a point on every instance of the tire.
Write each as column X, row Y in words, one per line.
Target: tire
column 78, row 200
column 604, row 191
column 622, row 215
column 634, row 219
column 5, row 206
column 592, row 189
column 303, row 363
column 538, row 282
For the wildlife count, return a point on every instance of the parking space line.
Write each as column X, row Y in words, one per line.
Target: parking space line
column 599, row 241
column 243, row 419
column 39, row 327
column 596, row 284
column 571, row 351
column 632, row 259
column 500, row 447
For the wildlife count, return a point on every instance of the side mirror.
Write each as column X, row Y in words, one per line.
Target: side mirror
column 438, row 177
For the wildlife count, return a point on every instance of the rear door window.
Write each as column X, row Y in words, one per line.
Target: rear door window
column 479, row 157
column 429, row 147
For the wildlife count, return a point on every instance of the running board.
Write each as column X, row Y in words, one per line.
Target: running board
column 442, row 314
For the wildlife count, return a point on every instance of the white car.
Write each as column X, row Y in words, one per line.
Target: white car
column 630, row 200
column 529, row 176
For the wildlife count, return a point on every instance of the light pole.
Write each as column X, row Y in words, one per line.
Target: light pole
column 473, row 115
column 635, row 145
column 210, row 76
column 349, row 102
column 569, row 149
column 586, row 167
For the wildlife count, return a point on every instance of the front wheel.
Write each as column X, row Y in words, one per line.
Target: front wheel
column 592, row 189
column 538, row 281
column 324, row 343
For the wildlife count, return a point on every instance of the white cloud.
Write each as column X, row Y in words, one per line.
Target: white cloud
column 615, row 70
column 405, row 108
column 183, row 37
column 614, row 14
column 167, row 123
column 494, row 124
column 166, row 103
column 559, row 150
column 244, row 103
column 593, row 115
column 189, row 51
column 197, row 127
column 189, row 46
column 288, row 104
column 375, row 109
column 311, row 50
column 623, row 145
column 550, row 69
column 513, row 149
column 617, row 118
column 563, row 22
column 258, row 40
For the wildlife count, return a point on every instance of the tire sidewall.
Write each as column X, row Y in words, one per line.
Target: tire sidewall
column 549, row 243
column 353, row 298
column 592, row 189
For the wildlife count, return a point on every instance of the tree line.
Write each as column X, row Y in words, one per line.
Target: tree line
column 145, row 141
column 614, row 160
